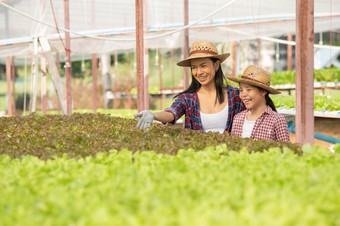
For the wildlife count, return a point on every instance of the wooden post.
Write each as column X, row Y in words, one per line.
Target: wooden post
column 304, row 71
column 129, row 80
column 173, row 71
column 186, row 44
column 68, row 58
column 160, row 69
column 43, row 84
column 146, row 58
column 115, row 100
column 140, row 55
column 94, row 82
column 13, row 85
column 58, row 67
column 34, row 76
column 289, row 52
column 234, row 59
column 9, row 93
column 54, row 72
column 107, row 81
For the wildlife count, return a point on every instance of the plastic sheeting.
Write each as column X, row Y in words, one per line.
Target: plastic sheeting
column 114, row 20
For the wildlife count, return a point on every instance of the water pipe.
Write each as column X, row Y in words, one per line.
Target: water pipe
column 319, row 136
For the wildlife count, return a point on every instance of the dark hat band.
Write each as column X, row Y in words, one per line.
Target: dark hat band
column 245, row 77
column 203, row 51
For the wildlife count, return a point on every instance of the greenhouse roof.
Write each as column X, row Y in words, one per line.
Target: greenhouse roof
column 104, row 26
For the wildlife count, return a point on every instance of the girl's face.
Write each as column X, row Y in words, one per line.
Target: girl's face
column 203, row 70
column 252, row 96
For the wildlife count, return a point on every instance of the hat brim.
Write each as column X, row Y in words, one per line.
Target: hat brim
column 186, row 62
column 254, row 83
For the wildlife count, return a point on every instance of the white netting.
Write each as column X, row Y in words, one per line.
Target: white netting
column 115, row 22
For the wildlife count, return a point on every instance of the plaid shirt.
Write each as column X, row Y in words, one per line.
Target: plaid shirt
column 269, row 126
column 188, row 104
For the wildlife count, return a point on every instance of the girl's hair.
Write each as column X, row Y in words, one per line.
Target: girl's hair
column 219, row 84
column 269, row 102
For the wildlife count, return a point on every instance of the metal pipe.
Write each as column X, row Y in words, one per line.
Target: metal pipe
column 319, row 136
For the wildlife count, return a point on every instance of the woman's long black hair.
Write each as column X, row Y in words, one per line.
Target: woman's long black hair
column 220, row 86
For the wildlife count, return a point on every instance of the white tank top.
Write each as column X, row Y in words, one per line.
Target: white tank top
column 248, row 127
column 215, row 122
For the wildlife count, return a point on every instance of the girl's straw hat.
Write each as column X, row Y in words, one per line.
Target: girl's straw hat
column 257, row 77
column 203, row 49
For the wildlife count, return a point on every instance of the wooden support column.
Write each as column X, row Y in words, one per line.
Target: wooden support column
column 58, row 67
column 186, row 43
column 34, row 76
column 146, row 57
column 115, row 100
column 43, row 84
column 234, row 72
column 173, row 71
column 304, row 71
column 140, row 55
column 9, row 93
column 129, row 80
column 160, row 70
column 68, row 71
column 13, row 85
column 94, row 82
column 289, row 52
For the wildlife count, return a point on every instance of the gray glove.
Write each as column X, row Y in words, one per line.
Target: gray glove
column 145, row 119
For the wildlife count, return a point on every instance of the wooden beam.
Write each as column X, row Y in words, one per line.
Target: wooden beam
column 234, row 59
column 140, row 54
column 289, row 52
column 94, row 82
column 54, row 72
column 186, row 43
column 9, row 93
column 13, row 85
column 68, row 58
column 43, row 84
column 304, row 64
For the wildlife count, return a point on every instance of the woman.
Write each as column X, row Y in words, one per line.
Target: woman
column 260, row 120
column 208, row 104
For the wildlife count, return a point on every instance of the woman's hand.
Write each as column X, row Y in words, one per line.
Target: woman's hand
column 145, row 119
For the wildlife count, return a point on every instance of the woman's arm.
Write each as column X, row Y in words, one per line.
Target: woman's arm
column 164, row 116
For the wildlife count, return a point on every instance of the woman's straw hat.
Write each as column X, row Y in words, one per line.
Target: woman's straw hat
column 257, row 77
column 203, row 49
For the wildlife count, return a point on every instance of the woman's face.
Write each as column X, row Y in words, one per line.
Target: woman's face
column 252, row 96
column 204, row 69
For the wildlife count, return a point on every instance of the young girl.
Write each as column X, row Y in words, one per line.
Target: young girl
column 208, row 104
column 260, row 120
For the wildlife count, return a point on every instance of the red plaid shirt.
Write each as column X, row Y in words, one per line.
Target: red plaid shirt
column 188, row 104
column 269, row 126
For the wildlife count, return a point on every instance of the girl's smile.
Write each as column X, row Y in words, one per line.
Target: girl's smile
column 252, row 96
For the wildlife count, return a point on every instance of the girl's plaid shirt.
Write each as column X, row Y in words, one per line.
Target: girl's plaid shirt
column 188, row 104
column 269, row 126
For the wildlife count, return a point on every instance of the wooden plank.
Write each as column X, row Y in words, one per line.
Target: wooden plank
column 54, row 72
column 43, row 84
column 304, row 64
column 140, row 54
column 9, row 93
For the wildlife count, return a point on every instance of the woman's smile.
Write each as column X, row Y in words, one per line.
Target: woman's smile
column 204, row 69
